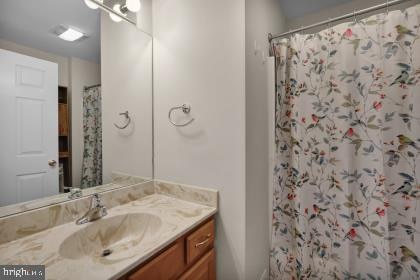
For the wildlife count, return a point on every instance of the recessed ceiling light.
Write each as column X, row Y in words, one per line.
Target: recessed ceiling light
column 71, row 35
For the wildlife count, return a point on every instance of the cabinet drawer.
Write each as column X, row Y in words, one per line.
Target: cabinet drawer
column 204, row 269
column 200, row 241
column 166, row 266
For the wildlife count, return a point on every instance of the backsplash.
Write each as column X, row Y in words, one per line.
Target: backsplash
column 189, row 193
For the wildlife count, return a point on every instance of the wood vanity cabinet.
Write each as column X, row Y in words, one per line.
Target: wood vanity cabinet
column 191, row 257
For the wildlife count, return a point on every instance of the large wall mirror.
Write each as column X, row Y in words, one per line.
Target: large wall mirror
column 75, row 100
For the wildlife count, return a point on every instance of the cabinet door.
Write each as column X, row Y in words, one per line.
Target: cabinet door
column 167, row 266
column 63, row 120
column 204, row 269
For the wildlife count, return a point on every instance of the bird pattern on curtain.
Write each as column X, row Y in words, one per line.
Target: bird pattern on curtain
column 346, row 193
column 92, row 138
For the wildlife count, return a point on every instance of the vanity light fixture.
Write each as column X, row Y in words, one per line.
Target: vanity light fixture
column 133, row 5
column 71, row 35
column 118, row 9
column 92, row 5
column 130, row 5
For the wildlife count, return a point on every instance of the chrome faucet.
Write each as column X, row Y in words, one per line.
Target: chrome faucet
column 96, row 211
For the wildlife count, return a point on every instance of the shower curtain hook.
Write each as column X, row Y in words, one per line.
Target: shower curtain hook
column 387, row 7
column 354, row 16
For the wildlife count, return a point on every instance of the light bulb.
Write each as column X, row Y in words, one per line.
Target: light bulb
column 92, row 5
column 133, row 5
column 115, row 17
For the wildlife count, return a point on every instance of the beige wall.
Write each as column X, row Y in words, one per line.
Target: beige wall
column 199, row 58
column 144, row 16
column 82, row 73
column 261, row 18
column 63, row 62
column 126, row 62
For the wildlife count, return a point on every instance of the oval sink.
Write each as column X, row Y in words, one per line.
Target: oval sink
column 109, row 236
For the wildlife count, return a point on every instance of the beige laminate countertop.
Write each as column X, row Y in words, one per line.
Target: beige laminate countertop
column 177, row 217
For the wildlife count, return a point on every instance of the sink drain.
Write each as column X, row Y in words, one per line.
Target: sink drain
column 106, row 252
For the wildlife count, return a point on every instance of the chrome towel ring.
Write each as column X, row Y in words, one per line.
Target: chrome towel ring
column 127, row 120
column 186, row 109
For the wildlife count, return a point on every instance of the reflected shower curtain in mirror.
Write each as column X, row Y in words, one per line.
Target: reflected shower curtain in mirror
column 92, row 129
column 347, row 135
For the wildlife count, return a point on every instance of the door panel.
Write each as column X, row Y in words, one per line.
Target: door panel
column 30, row 186
column 27, row 76
column 29, row 128
column 29, row 115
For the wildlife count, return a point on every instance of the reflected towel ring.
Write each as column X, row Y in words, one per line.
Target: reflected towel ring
column 127, row 119
column 186, row 109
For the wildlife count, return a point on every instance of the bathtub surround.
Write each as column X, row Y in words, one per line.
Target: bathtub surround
column 347, row 142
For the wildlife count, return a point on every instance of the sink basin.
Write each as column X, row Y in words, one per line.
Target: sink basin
column 110, row 236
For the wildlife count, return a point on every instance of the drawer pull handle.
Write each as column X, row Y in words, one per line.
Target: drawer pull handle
column 203, row 242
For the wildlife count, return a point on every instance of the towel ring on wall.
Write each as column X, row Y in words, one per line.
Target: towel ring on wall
column 186, row 109
column 127, row 120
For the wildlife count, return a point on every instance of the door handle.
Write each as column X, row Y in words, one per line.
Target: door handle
column 52, row 163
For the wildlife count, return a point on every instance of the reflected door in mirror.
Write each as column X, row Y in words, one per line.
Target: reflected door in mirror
column 28, row 123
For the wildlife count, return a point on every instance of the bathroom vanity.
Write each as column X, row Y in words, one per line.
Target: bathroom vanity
column 190, row 257
column 153, row 230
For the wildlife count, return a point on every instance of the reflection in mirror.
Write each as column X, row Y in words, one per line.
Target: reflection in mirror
column 75, row 100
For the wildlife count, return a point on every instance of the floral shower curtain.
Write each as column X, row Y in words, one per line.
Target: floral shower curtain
column 92, row 129
column 346, row 196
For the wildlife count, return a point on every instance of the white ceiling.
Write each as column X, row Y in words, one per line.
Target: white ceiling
column 298, row 8
column 30, row 23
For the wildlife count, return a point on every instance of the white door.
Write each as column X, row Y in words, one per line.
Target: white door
column 28, row 128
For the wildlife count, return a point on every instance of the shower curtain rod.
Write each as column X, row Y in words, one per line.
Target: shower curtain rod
column 89, row 87
column 387, row 4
